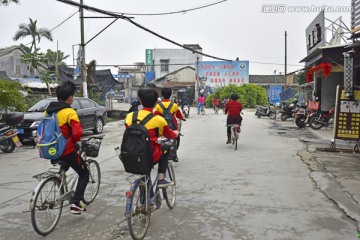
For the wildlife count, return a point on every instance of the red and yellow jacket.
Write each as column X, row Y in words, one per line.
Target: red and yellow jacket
column 69, row 124
column 175, row 111
column 157, row 126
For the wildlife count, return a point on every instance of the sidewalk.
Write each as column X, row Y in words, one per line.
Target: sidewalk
column 336, row 173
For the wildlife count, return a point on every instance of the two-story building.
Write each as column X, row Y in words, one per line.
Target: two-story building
column 175, row 68
column 10, row 62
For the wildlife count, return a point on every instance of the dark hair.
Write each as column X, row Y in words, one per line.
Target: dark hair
column 166, row 93
column 148, row 97
column 201, row 95
column 65, row 90
column 234, row 96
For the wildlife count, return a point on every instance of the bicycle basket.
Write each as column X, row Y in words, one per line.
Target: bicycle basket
column 92, row 148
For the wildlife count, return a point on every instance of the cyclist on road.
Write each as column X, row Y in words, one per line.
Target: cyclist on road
column 175, row 112
column 216, row 102
column 201, row 102
column 71, row 129
column 157, row 126
column 233, row 109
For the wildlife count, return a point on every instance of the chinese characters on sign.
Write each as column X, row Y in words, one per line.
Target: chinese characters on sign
column 275, row 91
column 347, row 125
column 222, row 73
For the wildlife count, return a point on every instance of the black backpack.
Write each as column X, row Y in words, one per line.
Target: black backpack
column 168, row 116
column 136, row 153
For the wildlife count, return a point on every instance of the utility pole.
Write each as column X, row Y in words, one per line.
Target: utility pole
column 197, row 78
column 285, row 57
column 275, row 76
column 56, row 62
column 83, row 64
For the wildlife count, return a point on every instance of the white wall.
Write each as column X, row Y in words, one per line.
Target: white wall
column 8, row 64
column 175, row 56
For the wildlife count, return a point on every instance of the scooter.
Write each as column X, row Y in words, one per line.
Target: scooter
column 318, row 120
column 8, row 132
column 268, row 111
column 287, row 111
column 186, row 111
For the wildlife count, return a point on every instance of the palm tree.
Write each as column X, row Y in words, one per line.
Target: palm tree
column 32, row 30
column 6, row 2
column 56, row 58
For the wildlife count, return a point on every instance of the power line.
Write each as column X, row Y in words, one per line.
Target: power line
column 97, row 10
column 169, row 13
column 57, row 25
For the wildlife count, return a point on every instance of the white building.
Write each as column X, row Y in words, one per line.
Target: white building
column 10, row 62
column 167, row 60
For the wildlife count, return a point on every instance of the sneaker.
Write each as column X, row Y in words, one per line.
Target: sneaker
column 77, row 208
column 164, row 183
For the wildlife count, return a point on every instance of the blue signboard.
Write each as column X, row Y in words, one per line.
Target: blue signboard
column 223, row 73
column 274, row 96
column 122, row 75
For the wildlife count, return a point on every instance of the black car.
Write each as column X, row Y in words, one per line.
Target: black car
column 92, row 116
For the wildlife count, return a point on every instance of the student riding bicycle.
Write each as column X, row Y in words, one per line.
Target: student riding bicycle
column 174, row 111
column 233, row 109
column 156, row 126
column 216, row 102
column 201, row 102
column 71, row 129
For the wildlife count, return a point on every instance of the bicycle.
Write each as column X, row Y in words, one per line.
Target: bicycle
column 216, row 109
column 56, row 187
column 202, row 110
column 235, row 132
column 143, row 192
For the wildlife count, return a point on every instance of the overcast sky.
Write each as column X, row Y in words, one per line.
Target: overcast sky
column 234, row 28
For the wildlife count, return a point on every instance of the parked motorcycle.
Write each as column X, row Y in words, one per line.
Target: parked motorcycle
column 186, row 110
column 302, row 117
column 268, row 111
column 288, row 110
column 8, row 132
column 320, row 119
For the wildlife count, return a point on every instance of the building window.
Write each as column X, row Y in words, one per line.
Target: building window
column 18, row 69
column 164, row 65
column 28, row 68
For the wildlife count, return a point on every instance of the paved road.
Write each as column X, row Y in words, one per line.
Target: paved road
column 261, row 191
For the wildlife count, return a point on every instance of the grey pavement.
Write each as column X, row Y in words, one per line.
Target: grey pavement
column 277, row 185
column 335, row 173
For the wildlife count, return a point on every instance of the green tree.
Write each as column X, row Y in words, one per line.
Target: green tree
column 7, row 2
column 249, row 94
column 301, row 77
column 55, row 58
column 31, row 30
column 35, row 60
column 10, row 96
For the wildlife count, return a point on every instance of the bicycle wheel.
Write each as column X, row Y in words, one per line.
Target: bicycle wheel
column 92, row 188
column 169, row 193
column 138, row 216
column 47, row 210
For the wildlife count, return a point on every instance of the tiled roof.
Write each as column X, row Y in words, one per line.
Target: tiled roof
column 258, row 79
column 7, row 50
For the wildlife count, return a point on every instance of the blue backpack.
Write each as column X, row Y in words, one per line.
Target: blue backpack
column 51, row 142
